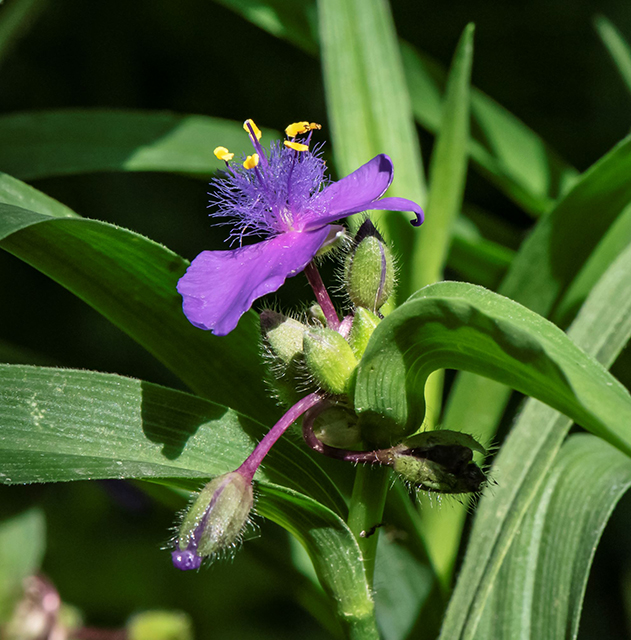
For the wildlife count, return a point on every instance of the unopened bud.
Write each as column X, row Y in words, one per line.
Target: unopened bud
column 282, row 338
column 440, row 461
column 282, row 335
column 364, row 324
column 369, row 271
column 329, row 359
column 215, row 521
column 337, row 427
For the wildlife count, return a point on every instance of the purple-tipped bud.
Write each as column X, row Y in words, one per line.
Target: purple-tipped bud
column 369, row 273
column 215, row 521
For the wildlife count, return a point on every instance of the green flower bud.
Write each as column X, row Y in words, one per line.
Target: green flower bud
column 215, row 521
column 369, row 272
column 329, row 359
column 282, row 335
column 282, row 338
column 440, row 461
column 160, row 625
column 364, row 324
column 337, row 427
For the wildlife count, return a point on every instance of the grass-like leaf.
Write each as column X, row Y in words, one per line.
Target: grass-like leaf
column 618, row 47
column 448, row 169
column 540, row 587
column 545, row 267
column 461, row 326
column 73, row 425
column 601, row 329
column 76, row 141
column 368, row 103
column 131, row 281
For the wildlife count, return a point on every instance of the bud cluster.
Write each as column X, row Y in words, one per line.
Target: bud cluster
column 321, row 354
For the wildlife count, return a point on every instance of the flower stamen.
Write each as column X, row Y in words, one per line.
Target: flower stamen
column 221, row 153
column 297, row 128
column 296, row 146
column 251, row 161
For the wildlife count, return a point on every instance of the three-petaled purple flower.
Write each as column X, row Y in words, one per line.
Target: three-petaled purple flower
column 283, row 196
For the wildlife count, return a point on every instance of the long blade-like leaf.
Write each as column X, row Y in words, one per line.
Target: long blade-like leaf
column 448, row 170
column 544, row 268
column 462, row 326
column 131, row 280
column 617, row 46
column 75, row 425
column 73, row 141
column 368, row 104
column 540, row 587
column 602, row 329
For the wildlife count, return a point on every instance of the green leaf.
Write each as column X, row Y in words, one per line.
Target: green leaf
column 72, row 141
column 131, row 280
column 614, row 242
column 60, row 424
column 540, row 588
column 545, row 267
column 602, row 329
column 368, row 103
column 404, row 584
column 286, row 19
column 461, row 326
column 447, row 170
column 507, row 152
column 22, row 544
column 335, row 555
column 618, row 47
column 69, row 425
column 475, row 258
column 15, row 20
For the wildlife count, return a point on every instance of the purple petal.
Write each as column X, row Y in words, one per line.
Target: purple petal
column 356, row 192
column 220, row 286
column 400, row 204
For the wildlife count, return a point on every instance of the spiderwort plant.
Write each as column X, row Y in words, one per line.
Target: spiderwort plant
column 282, row 195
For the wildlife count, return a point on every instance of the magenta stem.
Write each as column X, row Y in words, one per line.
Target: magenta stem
column 379, row 456
column 253, row 461
column 322, row 296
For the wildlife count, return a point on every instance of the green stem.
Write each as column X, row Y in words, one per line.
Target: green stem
column 366, row 511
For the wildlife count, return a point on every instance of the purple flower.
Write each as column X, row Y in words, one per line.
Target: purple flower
column 283, row 197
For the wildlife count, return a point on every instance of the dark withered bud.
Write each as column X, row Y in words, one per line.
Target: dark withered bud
column 369, row 271
column 440, row 461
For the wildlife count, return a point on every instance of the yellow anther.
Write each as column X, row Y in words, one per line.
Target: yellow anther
column 257, row 131
column 296, row 146
column 297, row 128
column 251, row 161
column 222, row 153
